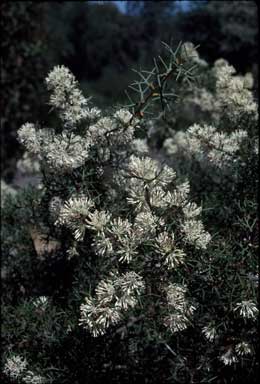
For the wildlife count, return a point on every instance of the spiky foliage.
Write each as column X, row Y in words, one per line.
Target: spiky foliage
column 212, row 136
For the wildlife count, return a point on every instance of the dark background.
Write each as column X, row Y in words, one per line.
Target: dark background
column 100, row 42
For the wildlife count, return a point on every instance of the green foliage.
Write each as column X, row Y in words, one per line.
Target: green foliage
column 22, row 72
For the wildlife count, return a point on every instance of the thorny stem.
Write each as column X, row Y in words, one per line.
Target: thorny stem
column 153, row 90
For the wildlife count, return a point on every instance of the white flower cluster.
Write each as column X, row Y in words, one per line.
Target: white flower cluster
column 41, row 302
column 195, row 233
column 210, row 332
column 229, row 357
column 243, row 349
column 32, row 378
column 113, row 297
column 67, row 151
column 247, row 309
column 233, row 92
column 180, row 309
column 216, row 111
column 16, row 368
column 67, row 98
column 190, row 53
column 233, row 354
column 115, row 237
column 173, row 256
column 140, row 146
column 150, row 189
column 145, row 182
column 62, row 152
column 118, row 130
column 74, row 214
column 149, row 186
column 208, row 145
column 28, row 137
column 123, row 241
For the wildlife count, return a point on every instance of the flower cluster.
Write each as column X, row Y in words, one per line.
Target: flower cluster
column 67, row 98
column 234, row 92
column 74, row 214
column 180, row 309
column 218, row 148
column 16, row 368
column 218, row 111
column 247, row 309
column 114, row 296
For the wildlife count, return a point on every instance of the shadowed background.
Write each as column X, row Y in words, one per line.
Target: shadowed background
column 100, row 42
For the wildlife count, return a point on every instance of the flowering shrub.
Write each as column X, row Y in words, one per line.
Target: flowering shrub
column 212, row 137
column 111, row 250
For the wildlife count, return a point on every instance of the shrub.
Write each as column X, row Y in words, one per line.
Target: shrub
column 110, row 267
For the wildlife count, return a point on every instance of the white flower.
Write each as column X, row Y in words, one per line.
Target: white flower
column 66, row 152
column 149, row 171
column 120, row 227
column 103, row 245
column 174, row 258
column 145, row 225
column 165, row 246
column 191, row 210
column 247, row 309
column 126, row 249
column 32, row 378
column 243, row 349
column 195, row 233
column 176, row 322
column 209, row 332
column 98, row 220
column 28, row 137
column 105, row 291
column 90, row 314
column 137, row 195
column 74, row 214
column 123, row 115
column 67, row 98
column 140, row 146
column 177, row 301
column 188, row 51
column 233, row 92
column 15, row 366
column 179, row 196
column 176, row 295
column 217, row 147
column 97, row 318
column 130, row 283
column 113, row 296
column 41, row 302
column 229, row 357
